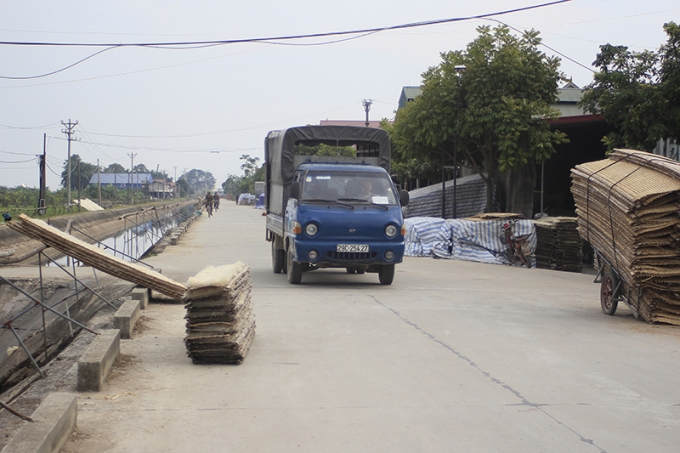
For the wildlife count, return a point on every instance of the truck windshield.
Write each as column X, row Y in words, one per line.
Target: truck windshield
column 359, row 187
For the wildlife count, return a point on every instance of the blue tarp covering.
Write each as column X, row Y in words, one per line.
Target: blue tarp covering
column 470, row 240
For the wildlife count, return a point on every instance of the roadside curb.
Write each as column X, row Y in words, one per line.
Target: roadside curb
column 97, row 360
column 53, row 423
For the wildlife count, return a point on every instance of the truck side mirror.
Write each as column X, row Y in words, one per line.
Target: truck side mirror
column 295, row 190
column 403, row 197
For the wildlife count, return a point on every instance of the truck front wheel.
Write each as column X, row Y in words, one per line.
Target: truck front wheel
column 294, row 269
column 386, row 274
column 278, row 258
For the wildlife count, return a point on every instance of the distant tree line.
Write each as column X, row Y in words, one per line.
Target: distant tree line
column 193, row 183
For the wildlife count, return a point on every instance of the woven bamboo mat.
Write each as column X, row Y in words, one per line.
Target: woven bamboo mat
column 627, row 208
column 220, row 318
column 96, row 257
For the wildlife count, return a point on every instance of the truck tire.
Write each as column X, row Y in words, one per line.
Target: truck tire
column 386, row 274
column 294, row 270
column 278, row 259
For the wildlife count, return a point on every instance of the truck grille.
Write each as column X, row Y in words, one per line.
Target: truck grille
column 351, row 256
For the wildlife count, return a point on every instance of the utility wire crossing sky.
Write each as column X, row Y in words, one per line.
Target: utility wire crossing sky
column 186, row 103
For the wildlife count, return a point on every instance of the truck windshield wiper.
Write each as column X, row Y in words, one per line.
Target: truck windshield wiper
column 322, row 200
column 363, row 200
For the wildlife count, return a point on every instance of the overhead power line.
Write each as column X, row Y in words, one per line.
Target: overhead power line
column 285, row 39
column 17, row 161
column 547, row 47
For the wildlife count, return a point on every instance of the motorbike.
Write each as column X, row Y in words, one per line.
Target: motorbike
column 517, row 248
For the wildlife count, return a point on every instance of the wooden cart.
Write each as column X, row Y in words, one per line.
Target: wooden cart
column 614, row 289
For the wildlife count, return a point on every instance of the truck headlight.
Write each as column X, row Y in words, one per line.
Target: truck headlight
column 311, row 229
column 389, row 255
column 391, row 231
column 313, row 254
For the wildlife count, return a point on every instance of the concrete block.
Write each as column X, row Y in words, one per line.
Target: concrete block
column 174, row 239
column 142, row 295
column 126, row 317
column 53, row 423
column 96, row 362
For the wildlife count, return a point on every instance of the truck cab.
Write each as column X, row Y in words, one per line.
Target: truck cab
column 344, row 216
column 333, row 211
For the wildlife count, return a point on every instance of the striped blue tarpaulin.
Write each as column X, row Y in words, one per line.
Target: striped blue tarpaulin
column 481, row 241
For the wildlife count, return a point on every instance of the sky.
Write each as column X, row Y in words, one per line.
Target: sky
column 176, row 108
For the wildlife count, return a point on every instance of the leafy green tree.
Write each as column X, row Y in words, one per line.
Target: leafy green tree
column 405, row 168
column 236, row 185
column 324, row 150
column 499, row 109
column 184, row 187
column 638, row 92
column 81, row 173
column 249, row 165
column 114, row 168
column 200, row 181
column 160, row 176
column 141, row 168
column 232, row 185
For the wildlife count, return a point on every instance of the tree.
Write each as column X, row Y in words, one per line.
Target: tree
column 324, row 150
column 499, row 110
column 81, row 173
column 249, row 165
column 638, row 92
column 183, row 187
column 236, row 185
column 200, row 181
column 115, row 168
column 140, row 168
column 405, row 168
column 232, row 185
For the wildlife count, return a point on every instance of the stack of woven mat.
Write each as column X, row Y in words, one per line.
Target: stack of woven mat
column 559, row 245
column 220, row 319
column 627, row 207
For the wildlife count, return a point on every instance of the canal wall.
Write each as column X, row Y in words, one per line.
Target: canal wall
column 17, row 249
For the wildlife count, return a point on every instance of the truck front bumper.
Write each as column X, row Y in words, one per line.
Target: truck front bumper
column 328, row 256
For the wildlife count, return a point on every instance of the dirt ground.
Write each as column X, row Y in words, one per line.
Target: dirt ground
column 61, row 372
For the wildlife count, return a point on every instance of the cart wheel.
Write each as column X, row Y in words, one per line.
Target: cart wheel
column 607, row 296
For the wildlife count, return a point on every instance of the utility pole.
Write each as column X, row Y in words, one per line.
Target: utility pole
column 460, row 70
column 79, row 184
column 175, row 192
column 43, row 176
column 132, row 177
column 69, row 134
column 367, row 107
column 99, row 183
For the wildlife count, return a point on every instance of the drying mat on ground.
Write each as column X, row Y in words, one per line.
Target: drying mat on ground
column 220, row 320
column 627, row 207
column 95, row 257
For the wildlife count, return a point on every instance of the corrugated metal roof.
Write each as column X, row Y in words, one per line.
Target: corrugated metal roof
column 121, row 178
column 374, row 124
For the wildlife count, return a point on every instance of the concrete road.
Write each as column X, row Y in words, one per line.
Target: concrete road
column 453, row 356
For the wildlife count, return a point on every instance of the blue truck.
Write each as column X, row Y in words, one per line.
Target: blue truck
column 332, row 211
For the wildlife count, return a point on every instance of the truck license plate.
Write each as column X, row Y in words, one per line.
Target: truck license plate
column 361, row 248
